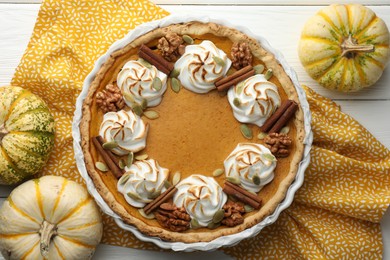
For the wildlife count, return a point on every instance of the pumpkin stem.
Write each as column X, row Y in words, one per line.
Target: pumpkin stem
column 350, row 47
column 3, row 132
column 47, row 231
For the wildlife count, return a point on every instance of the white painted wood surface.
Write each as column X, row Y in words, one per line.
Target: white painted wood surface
column 279, row 21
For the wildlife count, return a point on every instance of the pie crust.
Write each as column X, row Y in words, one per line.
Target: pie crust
column 277, row 188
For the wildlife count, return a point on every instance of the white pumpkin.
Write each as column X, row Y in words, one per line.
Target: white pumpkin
column 49, row 218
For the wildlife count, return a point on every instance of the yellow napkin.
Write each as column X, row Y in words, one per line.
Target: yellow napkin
column 335, row 214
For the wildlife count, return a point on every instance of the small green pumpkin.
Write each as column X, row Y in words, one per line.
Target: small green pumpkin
column 26, row 134
column 345, row 47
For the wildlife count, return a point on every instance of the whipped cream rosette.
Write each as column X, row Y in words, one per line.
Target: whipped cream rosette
column 201, row 65
column 201, row 196
column 252, row 164
column 256, row 100
column 136, row 79
column 142, row 182
column 126, row 129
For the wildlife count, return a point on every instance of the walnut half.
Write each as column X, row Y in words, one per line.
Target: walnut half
column 278, row 144
column 241, row 55
column 233, row 214
column 110, row 99
column 172, row 217
column 171, row 46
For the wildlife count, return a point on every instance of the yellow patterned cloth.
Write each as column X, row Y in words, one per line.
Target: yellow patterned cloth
column 336, row 213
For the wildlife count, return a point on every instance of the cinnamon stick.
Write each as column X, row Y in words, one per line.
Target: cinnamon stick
column 287, row 115
column 157, row 60
column 242, row 195
column 269, row 123
column 107, row 157
column 234, row 75
column 112, row 156
column 236, row 80
column 166, row 195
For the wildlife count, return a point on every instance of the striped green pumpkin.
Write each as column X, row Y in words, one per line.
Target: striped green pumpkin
column 345, row 47
column 26, row 134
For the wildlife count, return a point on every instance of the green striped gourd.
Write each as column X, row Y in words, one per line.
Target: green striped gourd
column 345, row 47
column 26, row 134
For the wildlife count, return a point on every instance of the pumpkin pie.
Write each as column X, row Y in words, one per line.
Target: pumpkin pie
column 192, row 131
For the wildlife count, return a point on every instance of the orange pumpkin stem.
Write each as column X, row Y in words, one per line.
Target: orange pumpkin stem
column 47, row 231
column 350, row 47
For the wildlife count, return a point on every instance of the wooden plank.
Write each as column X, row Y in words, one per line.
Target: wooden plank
column 281, row 26
column 16, row 25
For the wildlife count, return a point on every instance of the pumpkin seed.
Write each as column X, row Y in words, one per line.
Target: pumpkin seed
column 246, row 131
column 174, row 73
column 218, row 216
column 144, row 104
column 256, row 180
column 157, row 84
column 137, row 109
column 134, row 196
column 240, row 87
column 261, row 135
column 268, row 74
column 285, row 130
column 141, row 157
column 219, row 61
column 194, row 224
column 175, row 85
column 145, row 63
column 233, row 180
column 213, row 225
column 232, row 198
column 151, row 114
column 122, row 164
column 124, row 179
column 269, row 157
column 176, row 178
column 110, row 145
column 222, row 93
column 143, row 214
column 101, row 166
column 154, row 194
column 236, row 102
column 167, row 184
column 259, row 68
column 129, row 97
column 188, row 39
column 248, row 208
column 218, row 172
column 130, row 158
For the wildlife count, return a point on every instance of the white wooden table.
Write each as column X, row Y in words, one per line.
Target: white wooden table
column 279, row 21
